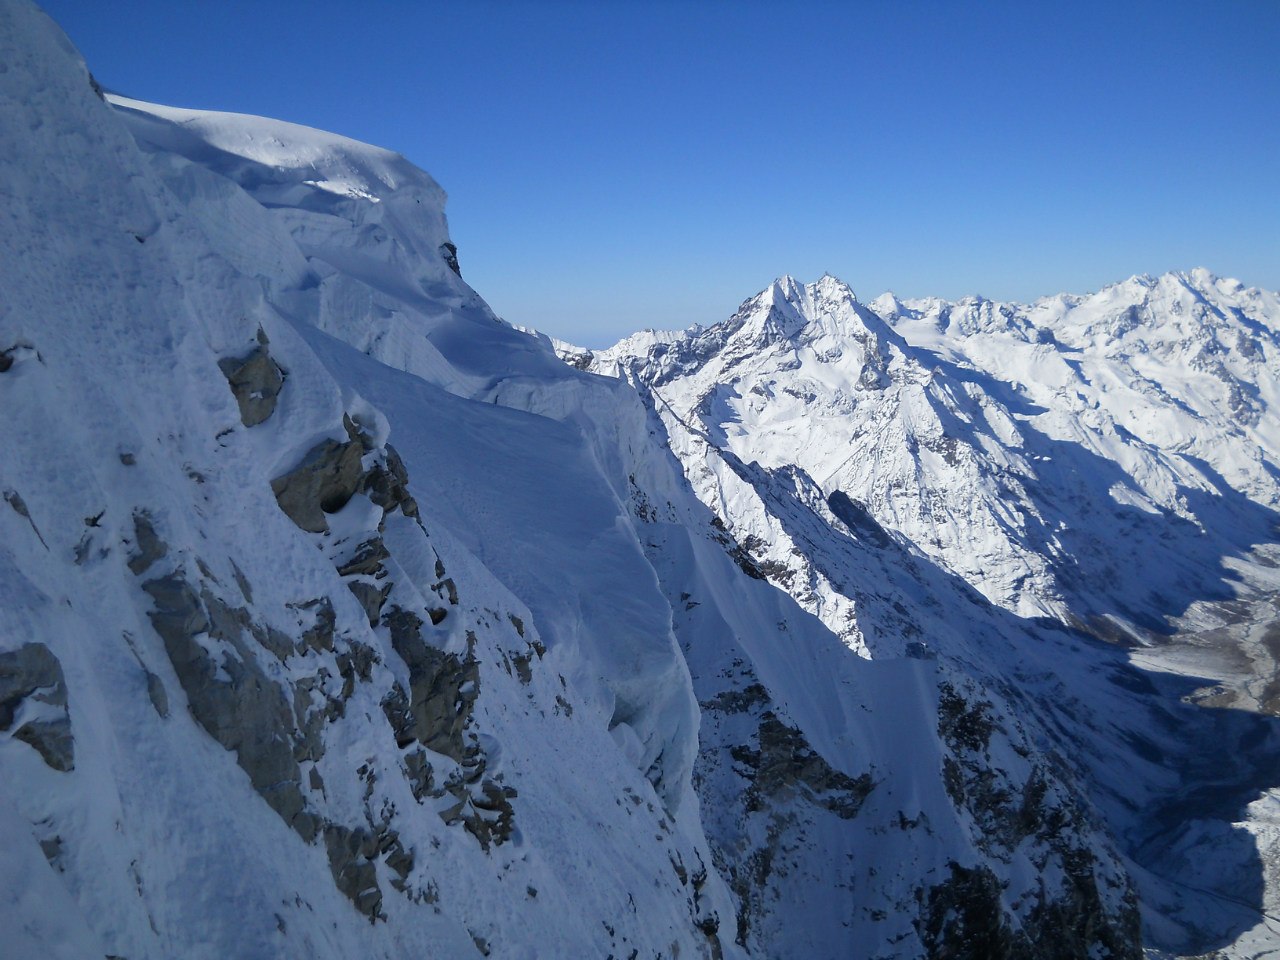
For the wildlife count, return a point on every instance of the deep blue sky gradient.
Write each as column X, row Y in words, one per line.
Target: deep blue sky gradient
column 613, row 166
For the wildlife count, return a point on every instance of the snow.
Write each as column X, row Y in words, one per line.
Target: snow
column 129, row 273
column 697, row 762
column 1106, row 461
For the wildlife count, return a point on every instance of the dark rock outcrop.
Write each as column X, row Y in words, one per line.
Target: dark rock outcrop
column 450, row 253
column 371, row 596
column 256, row 382
column 327, row 478
column 486, row 813
column 319, row 635
column 248, row 713
column 786, row 763
column 387, row 484
column 963, row 918
column 435, row 712
column 351, row 854
column 442, row 688
column 33, row 673
column 148, row 546
column 966, row 915
column 366, row 560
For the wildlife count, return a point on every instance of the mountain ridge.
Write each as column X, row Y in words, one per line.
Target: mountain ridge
column 341, row 618
column 1194, row 279
column 1097, row 479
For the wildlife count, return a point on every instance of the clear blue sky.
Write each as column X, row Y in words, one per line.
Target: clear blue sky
column 612, row 166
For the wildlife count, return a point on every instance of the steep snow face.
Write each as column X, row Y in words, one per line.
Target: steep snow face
column 264, row 692
column 355, row 239
column 341, row 619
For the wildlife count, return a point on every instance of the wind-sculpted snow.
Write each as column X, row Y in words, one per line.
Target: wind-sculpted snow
column 305, row 718
column 340, row 618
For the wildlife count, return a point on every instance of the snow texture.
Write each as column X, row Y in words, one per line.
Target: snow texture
column 340, row 618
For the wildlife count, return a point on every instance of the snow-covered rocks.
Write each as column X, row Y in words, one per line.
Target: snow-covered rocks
column 381, row 631
column 33, row 704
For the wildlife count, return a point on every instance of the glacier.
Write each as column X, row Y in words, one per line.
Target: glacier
column 342, row 618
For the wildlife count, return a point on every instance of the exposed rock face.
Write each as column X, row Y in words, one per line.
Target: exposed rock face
column 783, row 790
column 371, row 596
column 785, row 764
column 450, row 254
column 256, row 382
column 797, row 818
column 149, row 546
column 443, row 687
column 967, row 915
column 351, row 854
column 31, row 678
column 964, row 919
column 247, row 713
column 387, row 484
column 273, row 729
column 327, row 478
column 367, row 559
column 436, row 712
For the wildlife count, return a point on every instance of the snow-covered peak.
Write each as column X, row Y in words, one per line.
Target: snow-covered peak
column 808, row 300
column 1108, row 461
column 937, row 410
column 889, row 305
column 788, row 310
column 1157, row 300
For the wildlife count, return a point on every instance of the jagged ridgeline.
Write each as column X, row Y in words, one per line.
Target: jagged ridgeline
column 342, row 619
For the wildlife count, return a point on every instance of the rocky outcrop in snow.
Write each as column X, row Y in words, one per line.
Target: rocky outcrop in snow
column 33, row 704
column 382, row 631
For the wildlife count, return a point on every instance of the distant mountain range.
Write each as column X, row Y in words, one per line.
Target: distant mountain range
column 1102, row 467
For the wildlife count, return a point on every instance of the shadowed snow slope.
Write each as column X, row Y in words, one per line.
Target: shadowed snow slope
column 339, row 618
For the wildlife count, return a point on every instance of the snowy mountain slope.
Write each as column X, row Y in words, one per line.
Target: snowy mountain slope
column 341, row 619
column 643, row 476
column 214, row 655
column 871, row 476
